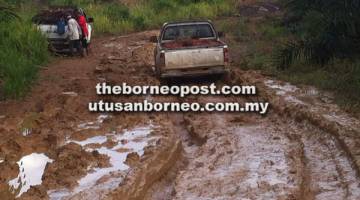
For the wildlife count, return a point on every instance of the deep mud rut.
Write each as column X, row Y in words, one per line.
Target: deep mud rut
column 305, row 148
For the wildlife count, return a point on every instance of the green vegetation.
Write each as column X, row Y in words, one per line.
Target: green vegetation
column 341, row 76
column 252, row 40
column 114, row 17
column 301, row 48
column 324, row 46
column 23, row 49
column 324, row 30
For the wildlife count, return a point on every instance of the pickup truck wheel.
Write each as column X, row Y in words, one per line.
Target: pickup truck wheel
column 226, row 76
column 164, row 81
column 157, row 72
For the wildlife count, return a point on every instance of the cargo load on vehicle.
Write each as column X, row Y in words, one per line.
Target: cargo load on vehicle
column 190, row 48
column 52, row 23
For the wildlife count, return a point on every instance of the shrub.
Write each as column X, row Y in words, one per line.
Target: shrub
column 116, row 11
column 161, row 5
column 324, row 30
column 7, row 14
column 70, row 2
column 23, row 50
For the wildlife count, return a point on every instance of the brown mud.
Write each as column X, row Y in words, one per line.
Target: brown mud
column 305, row 148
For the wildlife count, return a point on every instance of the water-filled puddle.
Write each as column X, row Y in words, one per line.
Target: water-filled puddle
column 318, row 102
column 26, row 132
column 281, row 89
column 92, row 140
column 134, row 140
column 341, row 119
column 72, row 94
column 284, row 90
column 95, row 124
column 293, row 99
column 31, row 170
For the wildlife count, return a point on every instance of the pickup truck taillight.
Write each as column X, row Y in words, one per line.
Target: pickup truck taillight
column 226, row 54
column 162, row 59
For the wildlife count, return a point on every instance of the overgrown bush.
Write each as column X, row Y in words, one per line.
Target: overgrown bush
column 160, row 5
column 70, row 2
column 118, row 18
column 23, row 49
column 7, row 14
column 323, row 47
column 116, row 11
column 324, row 30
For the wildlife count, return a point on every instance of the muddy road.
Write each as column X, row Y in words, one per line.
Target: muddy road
column 51, row 147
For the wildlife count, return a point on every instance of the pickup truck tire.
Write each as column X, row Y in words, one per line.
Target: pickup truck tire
column 157, row 72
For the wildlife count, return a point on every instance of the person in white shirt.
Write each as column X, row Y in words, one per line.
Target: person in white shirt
column 74, row 35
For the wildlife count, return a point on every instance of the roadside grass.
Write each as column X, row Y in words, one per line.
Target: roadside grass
column 340, row 77
column 254, row 41
column 117, row 18
column 238, row 34
column 23, row 50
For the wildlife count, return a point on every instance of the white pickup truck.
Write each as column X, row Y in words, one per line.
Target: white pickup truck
column 189, row 48
column 46, row 22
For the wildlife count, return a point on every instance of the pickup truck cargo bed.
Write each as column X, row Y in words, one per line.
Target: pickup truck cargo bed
column 192, row 58
column 190, row 48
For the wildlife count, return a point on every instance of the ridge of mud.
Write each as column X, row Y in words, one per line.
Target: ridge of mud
column 348, row 138
column 191, row 140
column 138, row 182
column 305, row 190
column 239, row 161
column 223, row 156
column 56, row 109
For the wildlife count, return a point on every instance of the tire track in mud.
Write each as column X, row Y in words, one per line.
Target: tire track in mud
column 238, row 162
column 312, row 164
column 224, row 159
column 164, row 189
column 225, row 156
column 331, row 175
column 244, row 156
column 321, row 126
column 71, row 161
column 325, row 171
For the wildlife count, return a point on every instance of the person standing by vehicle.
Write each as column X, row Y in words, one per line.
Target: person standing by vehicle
column 81, row 19
column 74, row 35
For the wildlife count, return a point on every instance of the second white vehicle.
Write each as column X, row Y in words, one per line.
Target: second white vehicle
column 47, row 22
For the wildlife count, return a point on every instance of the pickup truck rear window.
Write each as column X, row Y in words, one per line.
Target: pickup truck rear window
column 188, row 31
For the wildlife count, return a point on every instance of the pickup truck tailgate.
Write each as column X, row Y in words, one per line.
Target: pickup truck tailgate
column 190, row 58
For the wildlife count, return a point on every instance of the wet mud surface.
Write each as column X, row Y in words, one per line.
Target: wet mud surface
column 304, row 148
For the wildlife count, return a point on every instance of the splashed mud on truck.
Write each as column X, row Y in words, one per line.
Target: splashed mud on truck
column 189, row 48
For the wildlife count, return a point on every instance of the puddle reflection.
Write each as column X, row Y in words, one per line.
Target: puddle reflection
column 31, row 169
column 134, row 140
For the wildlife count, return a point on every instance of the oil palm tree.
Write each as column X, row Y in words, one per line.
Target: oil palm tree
column 323, row 29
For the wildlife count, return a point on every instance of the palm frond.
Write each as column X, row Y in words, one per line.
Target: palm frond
column 325, row 29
